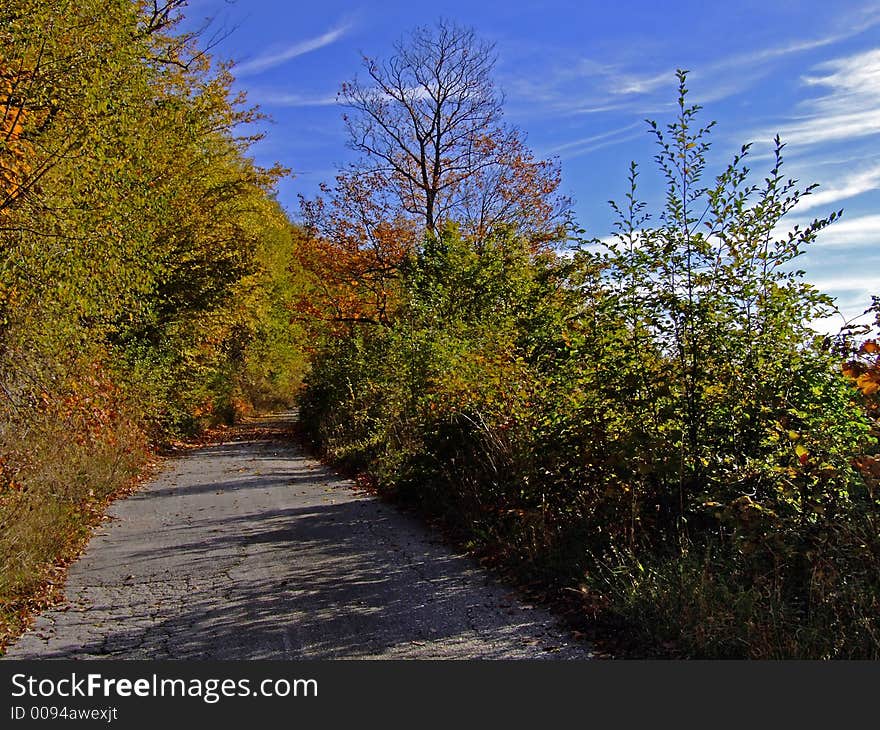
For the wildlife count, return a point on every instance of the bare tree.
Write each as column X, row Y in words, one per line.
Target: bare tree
column 429, row 121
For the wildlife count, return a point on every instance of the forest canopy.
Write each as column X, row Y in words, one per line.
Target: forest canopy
column 144, row 264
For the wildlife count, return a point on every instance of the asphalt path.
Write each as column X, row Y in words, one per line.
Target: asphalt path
column 251, row 549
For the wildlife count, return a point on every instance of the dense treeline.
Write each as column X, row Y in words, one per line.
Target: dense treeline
column 144, row 264
column 648, row 419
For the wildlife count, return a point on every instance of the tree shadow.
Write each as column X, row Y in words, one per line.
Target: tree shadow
column 298, row 566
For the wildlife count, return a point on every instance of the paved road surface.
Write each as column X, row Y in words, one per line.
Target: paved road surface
column 250, row 549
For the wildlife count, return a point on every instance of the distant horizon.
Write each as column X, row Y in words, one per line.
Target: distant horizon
column 580, row 80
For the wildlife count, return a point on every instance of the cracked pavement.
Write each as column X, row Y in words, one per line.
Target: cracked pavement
column 250, row 549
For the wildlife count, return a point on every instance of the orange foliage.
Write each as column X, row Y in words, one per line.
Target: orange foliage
column 864, row 370
column 15, row 151
column 511, row 188
column 358, row 235
column 354, row 245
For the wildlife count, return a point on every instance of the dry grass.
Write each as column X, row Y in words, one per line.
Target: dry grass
column 64, row 458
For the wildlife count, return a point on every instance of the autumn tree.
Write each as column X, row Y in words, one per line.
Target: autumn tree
column 429, row 120
column 355, row 240
column 130, row 214
column 434, row 151
column 144, row 275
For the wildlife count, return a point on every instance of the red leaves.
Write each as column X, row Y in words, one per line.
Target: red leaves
column 353, row 246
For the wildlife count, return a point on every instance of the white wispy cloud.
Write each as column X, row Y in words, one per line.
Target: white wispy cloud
column 733, row 74
column 299, row 48
column 846, row 283
column 576, row 86
column 853, row 184
column 591, row 142
column 289, row 99
column 756, row 60
column 849, row 109
column 844, row 233
column 855, row 25
column 861, row 231
column 852, row 295
column 625, row 83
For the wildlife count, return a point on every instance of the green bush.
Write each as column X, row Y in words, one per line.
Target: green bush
column 650, row 418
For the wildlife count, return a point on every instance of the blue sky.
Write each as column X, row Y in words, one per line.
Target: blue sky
column 580, row 78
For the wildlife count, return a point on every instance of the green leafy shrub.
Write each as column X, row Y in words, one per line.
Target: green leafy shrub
column 651, row 417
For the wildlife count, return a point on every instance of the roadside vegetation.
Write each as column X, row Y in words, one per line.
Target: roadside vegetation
column 647, row 419
column 143, row 266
